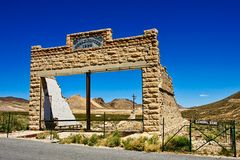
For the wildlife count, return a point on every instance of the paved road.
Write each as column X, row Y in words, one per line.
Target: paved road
column 16, row 149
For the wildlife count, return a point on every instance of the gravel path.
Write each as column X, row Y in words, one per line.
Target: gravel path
column 17, row 149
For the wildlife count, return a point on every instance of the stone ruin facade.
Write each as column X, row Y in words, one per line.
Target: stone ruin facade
column 96, row 51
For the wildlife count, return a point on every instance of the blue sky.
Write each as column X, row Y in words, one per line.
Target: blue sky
column 199, row 43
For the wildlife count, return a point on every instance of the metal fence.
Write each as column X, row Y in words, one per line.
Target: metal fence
column 224, row 134
column 13, row 121
column 17, row 121
column 99, row 123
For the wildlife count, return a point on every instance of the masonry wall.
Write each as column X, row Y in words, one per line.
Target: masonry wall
column 169, row 108
column 117, row 51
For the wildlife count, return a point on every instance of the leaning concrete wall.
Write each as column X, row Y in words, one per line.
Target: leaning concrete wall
column 143, row 48
column 57, row 107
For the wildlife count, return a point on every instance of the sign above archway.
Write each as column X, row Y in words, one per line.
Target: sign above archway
column 89, row 42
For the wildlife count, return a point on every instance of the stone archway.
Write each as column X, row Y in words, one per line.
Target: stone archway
column 96, row 51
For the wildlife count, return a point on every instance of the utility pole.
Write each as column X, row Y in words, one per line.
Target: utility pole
column 134, row 98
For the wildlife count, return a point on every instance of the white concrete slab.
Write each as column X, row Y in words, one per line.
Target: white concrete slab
column 55, row 105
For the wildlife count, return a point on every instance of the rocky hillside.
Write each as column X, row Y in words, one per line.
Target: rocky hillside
column 78, row 102
column 117, row 104
column 227, row 108
column 13, row 104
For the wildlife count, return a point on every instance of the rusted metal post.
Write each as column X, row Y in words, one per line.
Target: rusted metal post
column 88, row 101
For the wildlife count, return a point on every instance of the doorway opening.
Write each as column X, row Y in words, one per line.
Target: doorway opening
column 115, row 100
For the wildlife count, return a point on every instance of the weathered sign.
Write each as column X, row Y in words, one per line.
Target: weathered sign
column 89, row 42
column 206, row 122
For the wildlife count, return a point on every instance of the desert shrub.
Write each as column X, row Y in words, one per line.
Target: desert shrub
column 93, row 140
column 42, row 135
column 178, row 143
column 210, row 137
column 151, row 147
column 126, row 144
column 102, row 142
column 77, row 139
column 18, row 121
column 136, row 144
column 55, row 135
column 152, row 144
column 238, row 136
column 85, row 140
column 67, row 140
column 113, row 140
column 225, row 152
column 72, row 139
column 205, row 151
column 153, row 140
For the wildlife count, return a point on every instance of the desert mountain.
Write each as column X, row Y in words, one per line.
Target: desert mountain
column 123, row 104
column 227, row 108
column 77, row 102
column 117, row 104
column 13, row 104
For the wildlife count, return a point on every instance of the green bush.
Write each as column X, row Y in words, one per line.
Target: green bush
column 152, row 144
column 85, row 140
column 237, row 136
column 126, row 144
column 77, row 139
column 210, row 136
column 152, row 147
column 136, row 144
column 225, row 152
column 153, row 140
column 55, row 135
column 18, row 121
column 67, row 140
column 42, row 135
column 178, row 143
column 93, row 140
column 72, row 139
column 113, row 140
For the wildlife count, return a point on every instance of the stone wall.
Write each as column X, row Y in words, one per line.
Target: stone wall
column 143, row 48
column 169, row 108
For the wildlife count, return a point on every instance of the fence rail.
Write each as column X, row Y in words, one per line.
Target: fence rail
column 217, row 131
column 13, row 121
column 101, row 123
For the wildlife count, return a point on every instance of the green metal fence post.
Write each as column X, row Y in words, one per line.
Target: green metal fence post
column 190, row 136
column 234, row 140
column 8, row 127
column 163, row 135
column 142, row 119
column 104, row 117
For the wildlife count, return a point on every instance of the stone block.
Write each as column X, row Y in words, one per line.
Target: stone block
column 153, row 106
column 153, row 90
